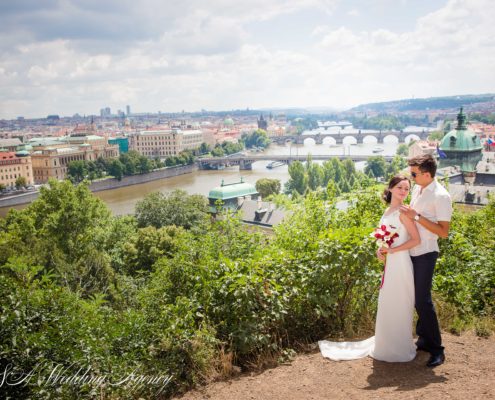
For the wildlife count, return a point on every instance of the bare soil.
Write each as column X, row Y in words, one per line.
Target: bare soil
column 468, row 373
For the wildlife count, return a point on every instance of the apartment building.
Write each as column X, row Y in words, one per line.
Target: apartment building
column 14, row 165
column 52, row 157
column 165, row 143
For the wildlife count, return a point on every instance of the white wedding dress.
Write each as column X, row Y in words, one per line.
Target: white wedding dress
column 393, row 340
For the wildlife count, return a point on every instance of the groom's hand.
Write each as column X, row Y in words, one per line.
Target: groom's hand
column 408, row 211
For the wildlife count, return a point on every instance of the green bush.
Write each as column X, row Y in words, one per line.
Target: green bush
column 79, row 288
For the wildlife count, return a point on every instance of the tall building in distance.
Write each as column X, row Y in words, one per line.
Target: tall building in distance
column 128, row 110
column 262, row 123
column 105, row 112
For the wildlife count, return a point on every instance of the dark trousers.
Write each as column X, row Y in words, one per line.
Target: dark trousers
column 427, row 327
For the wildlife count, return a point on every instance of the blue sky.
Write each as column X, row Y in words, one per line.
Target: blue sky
column 77, row 56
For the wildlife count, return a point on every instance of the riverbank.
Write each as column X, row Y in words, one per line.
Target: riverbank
column 107, row 184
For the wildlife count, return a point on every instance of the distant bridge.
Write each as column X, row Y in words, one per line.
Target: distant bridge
column 341, row 135
column 341, row 125
column 246, row 162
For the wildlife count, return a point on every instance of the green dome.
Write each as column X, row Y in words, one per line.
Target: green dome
column 461, row 140
column 228, row 121
column 232, row 191
column 462, row 147
column 22, row 153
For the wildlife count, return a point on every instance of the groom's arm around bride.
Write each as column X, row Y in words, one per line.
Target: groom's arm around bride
column 431, row 209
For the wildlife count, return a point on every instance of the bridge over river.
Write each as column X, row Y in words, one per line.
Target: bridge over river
column 245, row 162
column 359, row 135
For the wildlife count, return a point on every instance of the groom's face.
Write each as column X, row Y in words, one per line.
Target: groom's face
column 420, row 178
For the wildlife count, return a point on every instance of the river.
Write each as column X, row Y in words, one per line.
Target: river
column 123, row 200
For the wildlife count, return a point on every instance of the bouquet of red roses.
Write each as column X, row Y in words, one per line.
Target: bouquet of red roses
column 385, row 235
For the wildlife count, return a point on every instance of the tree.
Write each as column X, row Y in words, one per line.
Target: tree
column 171, row 161
column 132, row 162
column 175, row 208
column 116, row 169
column 377, row 165
column 397, row 164
column 102, row 164
column 149, row 245
column 230, row 148
column 437, row 135
column 298, row 180
column 345, row 187
column 402, row 150
column 204, row 148
column 257, row 138
column 218, row 151
column 20, row 182
column 332, row 191
column 62, row 231
column 156, row 163
column 94, row 171
column 349, row 167
column 77, row 171
column 328, row 172
column 145, row 165
column 302, row 124
column 315, row 175
column 266, row 187
column 338, row 169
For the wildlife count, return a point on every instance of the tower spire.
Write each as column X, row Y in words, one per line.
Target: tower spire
column 461, row 121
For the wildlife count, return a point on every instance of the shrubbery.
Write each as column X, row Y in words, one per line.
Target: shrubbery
column 80, row 288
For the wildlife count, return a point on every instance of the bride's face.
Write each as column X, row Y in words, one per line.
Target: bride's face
column 401, row 190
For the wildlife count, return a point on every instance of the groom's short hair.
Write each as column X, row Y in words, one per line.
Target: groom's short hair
column 425, row 163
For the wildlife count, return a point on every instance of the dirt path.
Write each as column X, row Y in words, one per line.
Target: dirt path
column 469, row 373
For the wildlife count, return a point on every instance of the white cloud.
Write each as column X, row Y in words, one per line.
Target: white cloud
column 447, row 53
column 201, row 55
column 354, row 12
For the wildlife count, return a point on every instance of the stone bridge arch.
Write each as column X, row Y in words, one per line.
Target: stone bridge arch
column 412, row 136
column 396, row 138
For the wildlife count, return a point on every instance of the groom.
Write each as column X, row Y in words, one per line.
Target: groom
column 431, row 208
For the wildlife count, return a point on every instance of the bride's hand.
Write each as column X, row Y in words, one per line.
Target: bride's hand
column 380, row 254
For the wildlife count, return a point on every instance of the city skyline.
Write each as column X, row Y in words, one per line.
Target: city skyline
column 78, row 56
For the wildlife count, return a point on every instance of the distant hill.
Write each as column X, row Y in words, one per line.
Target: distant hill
column 430, row 103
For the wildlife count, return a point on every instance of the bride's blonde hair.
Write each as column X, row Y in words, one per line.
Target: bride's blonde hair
column 387, row 194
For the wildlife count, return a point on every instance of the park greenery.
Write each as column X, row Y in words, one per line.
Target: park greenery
column 339, row 176
column 267, row 187
column 382, row 121
column 402, row 150
column 172, row 292
column 126, row 164
column 485, row 118
column 301, row 124
column 425, row 104
column 133, row 163
column 225, row 148
column 258, row 138
column 436, row 135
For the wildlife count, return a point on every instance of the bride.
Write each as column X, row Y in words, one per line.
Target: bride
column 393, row 341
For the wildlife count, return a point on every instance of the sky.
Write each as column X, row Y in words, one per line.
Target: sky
column 78, row 56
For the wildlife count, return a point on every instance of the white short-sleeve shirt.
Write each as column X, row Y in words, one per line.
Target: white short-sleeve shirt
column 435, row 204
